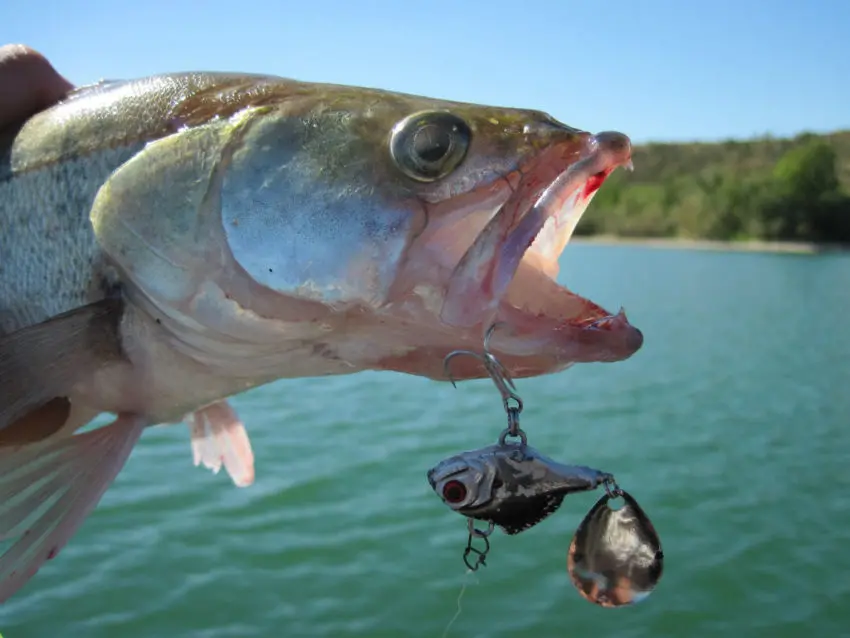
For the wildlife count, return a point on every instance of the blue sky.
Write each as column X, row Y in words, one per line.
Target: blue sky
column 654, row 69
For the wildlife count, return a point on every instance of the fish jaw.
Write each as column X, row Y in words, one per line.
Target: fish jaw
column 506, row 275
column 534, row 224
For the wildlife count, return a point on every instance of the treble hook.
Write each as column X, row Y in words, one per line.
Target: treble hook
column 496, row 371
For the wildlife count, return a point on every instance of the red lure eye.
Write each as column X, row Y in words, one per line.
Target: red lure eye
column 454, row 492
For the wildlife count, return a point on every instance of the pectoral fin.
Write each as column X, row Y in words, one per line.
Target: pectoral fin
column 40, row 364
column 47, row 489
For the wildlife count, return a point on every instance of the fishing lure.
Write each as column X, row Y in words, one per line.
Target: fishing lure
column 615, row 556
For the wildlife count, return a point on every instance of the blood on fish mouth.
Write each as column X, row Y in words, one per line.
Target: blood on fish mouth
column 592, row 185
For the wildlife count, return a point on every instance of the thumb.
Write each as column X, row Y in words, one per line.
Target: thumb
column 28, row 83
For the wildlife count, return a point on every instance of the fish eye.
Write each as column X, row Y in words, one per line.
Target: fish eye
column 428, row 146
column 454, row 492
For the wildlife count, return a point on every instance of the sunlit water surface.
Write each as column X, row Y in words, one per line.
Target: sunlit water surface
column 731, row 427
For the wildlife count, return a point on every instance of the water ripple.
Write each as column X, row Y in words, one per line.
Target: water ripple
column 730, row 428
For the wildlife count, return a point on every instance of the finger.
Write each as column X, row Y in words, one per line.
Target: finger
column 28, row 83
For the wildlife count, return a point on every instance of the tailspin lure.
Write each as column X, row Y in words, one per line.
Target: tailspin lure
column 615, row 556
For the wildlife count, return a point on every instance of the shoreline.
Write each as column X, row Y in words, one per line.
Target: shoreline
column 793, row 247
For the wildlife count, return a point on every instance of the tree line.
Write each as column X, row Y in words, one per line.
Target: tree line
column 794, row 189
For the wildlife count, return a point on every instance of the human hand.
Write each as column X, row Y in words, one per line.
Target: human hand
column 28, row 83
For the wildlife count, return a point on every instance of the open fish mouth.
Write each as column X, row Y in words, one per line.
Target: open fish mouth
column 508, row 272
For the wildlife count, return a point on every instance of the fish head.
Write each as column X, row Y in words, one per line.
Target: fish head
column 380, row 230
column 424, row 222
column 509, row 485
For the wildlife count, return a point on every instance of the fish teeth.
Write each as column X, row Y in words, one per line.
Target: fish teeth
column 604, row 323
column 611, row 321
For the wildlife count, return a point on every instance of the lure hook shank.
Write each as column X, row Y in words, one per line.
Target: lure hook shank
column 495, row 370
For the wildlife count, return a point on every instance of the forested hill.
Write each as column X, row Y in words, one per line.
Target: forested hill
column 771, row 189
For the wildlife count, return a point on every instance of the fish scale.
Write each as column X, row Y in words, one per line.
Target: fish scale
column 51, row 261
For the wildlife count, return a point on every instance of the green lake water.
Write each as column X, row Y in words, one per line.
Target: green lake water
column 731, row 427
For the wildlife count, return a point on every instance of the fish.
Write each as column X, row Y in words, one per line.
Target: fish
column 173, row 241
column 510, row 485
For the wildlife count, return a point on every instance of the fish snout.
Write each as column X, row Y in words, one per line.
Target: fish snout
column 614, row 149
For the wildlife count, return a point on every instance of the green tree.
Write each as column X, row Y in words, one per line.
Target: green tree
column 806, row 201
column 769, row 188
